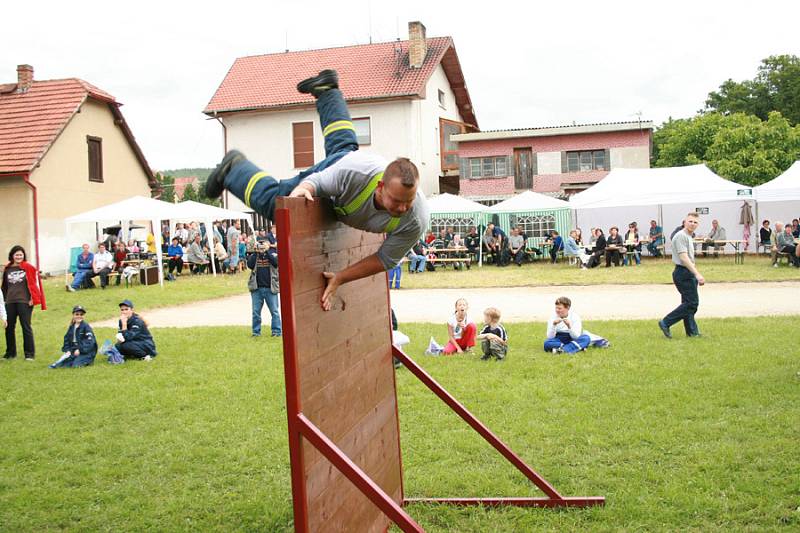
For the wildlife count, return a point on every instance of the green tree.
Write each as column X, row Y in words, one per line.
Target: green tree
column 165, row 187
column 738, row 147
column 776, row 87
column 190, row 193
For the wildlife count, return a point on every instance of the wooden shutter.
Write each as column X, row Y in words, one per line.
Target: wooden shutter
column 95, row 150
column 564, row 166
column 534, row 164
column 608, row 158
column 303, row 143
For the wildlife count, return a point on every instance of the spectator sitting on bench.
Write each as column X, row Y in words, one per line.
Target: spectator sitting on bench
column 102, row 265
column 785, row 245
column 557, row 243
column 500, row 251
column 571, row 249
column 632, row 244
column 220, row 256
column 197, row 256
column 656, row 235
column 599, row 248
column 613, row 247
column 516, row 245
column 473, row 242
column 765, row 235
column 417, row 257
column 490, row 247
column 175, row 256
column 120, row 255
column 717, row 234
column 83, row 269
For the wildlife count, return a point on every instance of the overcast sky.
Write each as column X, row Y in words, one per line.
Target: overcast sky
column 526, row 63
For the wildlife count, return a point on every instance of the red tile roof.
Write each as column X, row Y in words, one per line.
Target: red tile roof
column 366, row 72
column 31, row 121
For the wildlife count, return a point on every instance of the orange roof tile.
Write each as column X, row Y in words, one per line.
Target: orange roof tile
column 31, row 121
column 366, row 72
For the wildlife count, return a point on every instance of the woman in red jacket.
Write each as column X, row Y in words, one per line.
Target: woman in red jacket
column 21, row 292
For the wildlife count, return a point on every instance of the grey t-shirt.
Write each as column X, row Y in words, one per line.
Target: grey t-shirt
column 344, row 180
column 516, row 241
column 682, row 242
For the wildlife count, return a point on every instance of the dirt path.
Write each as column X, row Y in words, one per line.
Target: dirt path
column 520, row 304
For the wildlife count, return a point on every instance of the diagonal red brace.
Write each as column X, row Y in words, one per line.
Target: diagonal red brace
column 492, row 439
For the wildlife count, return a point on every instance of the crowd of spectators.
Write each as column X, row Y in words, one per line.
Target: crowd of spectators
column 782, row 240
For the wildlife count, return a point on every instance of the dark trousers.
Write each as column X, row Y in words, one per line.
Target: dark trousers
column 103, row 276
column 135, row 349
column 175, row 263
column 258, row 190
column 519, row 256
column 613, row 255
column 686, row 284
column 24, row 313
column 793, row 259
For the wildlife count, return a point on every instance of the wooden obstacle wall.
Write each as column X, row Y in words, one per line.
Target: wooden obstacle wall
column 339, row 371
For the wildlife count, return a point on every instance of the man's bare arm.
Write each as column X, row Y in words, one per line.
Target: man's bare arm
column 685, row 261
column 362, row 269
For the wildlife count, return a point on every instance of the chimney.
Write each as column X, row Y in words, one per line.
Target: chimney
column 24, row 78
column 417, row 45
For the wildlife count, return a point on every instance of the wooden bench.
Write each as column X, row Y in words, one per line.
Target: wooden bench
column 445, row 260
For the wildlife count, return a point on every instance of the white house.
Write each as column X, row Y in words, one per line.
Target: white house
column 406, row 98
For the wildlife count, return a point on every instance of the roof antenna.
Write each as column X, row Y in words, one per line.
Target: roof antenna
column 369, row 19
column 286, row 33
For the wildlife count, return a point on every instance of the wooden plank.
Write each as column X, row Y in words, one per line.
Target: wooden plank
column 345, row 374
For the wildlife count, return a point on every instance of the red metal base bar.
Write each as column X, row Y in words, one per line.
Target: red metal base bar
column 492, row 439
column 357, row 477
column 516, row 502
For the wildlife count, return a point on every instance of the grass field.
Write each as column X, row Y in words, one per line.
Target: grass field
column 697, row 434
column 715, row 270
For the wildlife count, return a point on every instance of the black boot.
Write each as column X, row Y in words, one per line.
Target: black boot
column 215, row 183
column 316, row 85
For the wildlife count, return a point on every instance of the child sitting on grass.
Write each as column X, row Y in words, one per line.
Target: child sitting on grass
column 565, row 331
column 460, row 330
column 493, row 336
column 80, row 345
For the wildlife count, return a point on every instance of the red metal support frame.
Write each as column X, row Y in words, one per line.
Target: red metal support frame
column 555, row 499
column 293, row 407
column 301, row 428
column 357, row 477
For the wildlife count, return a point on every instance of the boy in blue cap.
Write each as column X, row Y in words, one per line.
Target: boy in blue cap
column 134, row 339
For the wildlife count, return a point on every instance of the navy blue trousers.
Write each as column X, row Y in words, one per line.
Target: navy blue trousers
column 258, row 190
column 686, row 284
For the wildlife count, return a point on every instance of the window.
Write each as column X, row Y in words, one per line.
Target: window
column 441, row 97
column 460, row 225
column 363, row 131
column 95, row 158
column 448, row 148
column 487, row 167
column 303, row 144
column 535, row 226
column 586, row 161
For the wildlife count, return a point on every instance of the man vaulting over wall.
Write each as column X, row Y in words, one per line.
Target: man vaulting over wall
column 367, row 193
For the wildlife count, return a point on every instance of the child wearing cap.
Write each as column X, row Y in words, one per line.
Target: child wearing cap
column 80, row 345
column 134, row 340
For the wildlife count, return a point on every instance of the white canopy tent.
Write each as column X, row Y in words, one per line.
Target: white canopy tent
column 135, row 208
column 664, row 195
column 199, row 212
column 153, row 211
column 449, row 209
column 779, row 199
column 528, row 201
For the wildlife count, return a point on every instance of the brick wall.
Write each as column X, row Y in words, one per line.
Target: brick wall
column 557, row 143
column 544, row 183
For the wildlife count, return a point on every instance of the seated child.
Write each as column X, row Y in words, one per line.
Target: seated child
column 134, row 340
column 493, row 337
column 460, row 330
column 80, row 345
column 565, row 331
